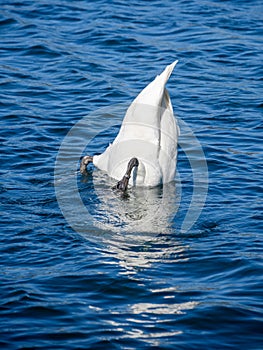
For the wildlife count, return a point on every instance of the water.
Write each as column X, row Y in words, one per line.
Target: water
column 125, row 285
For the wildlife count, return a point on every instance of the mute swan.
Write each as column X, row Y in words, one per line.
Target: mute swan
column 145, row 149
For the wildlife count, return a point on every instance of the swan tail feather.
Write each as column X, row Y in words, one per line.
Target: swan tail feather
column 168, row 71
column 152, row 94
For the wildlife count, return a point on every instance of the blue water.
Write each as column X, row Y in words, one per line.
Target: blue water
column 126, row 276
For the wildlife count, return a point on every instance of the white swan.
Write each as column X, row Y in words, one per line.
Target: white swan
column 145, row 149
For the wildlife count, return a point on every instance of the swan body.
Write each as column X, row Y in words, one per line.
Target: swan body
column 148, row 132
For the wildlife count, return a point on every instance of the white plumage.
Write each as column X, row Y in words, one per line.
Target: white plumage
column 148, row 132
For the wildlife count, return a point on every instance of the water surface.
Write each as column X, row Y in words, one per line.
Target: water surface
column 116, row 286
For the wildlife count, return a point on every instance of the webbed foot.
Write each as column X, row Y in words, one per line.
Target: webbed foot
column 123, row 183
column 83, row 164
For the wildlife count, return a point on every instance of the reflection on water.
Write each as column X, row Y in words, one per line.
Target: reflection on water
column 150, row 321
column 135, row 228
column 163, row 309
column 136, row 234
column 140, row 210
column 140, row 251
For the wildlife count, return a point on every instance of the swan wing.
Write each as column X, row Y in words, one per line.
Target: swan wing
column 169, row 132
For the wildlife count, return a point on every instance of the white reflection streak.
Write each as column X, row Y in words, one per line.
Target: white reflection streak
column 132, row 260
column 163, row 309
column 146, row 209
column 135, row 333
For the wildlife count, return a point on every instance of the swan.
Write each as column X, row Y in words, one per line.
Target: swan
column 144, row 153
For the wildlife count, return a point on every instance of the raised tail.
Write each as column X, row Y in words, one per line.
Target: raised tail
column 168, row 71
column 152, row 94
